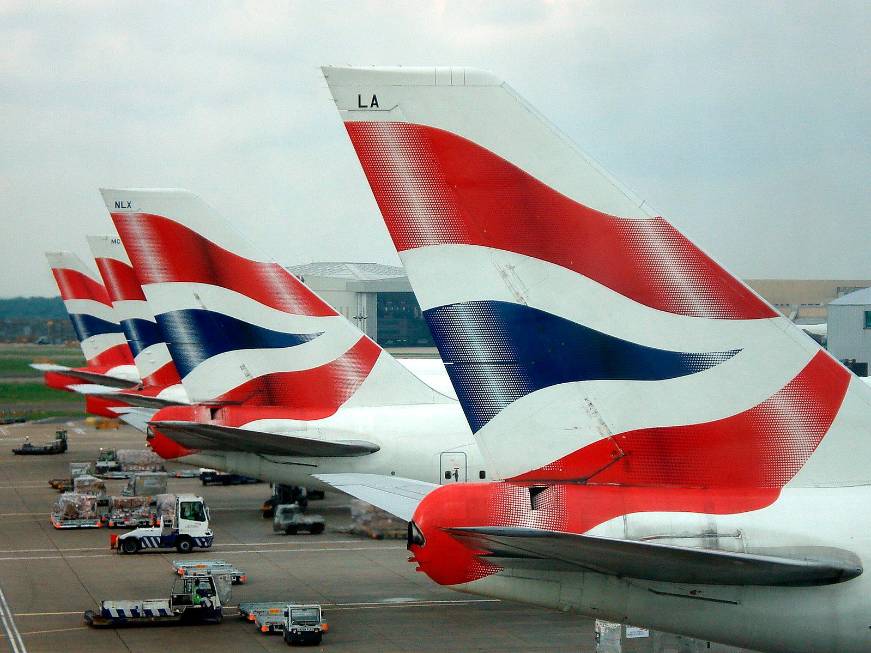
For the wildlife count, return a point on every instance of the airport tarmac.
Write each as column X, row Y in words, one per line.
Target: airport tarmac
column 373, row 598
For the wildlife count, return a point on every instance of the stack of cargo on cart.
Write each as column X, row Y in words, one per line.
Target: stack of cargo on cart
column 89, row 505
column 123, row 463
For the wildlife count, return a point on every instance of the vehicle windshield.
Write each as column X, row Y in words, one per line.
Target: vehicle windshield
column 305, row 616
column 192, row 510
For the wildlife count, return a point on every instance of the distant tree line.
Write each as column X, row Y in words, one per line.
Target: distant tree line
column 28, row 319
column 49, row 308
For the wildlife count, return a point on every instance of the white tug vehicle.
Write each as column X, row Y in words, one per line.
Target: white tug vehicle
column 186, row 529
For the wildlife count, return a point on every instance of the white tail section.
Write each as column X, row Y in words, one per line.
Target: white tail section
column 240, row 327
column 90, row 311
column 587, row 339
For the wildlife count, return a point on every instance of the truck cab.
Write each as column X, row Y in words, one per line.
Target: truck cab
column 107, row 461
column 187, row 528
column 304, row 624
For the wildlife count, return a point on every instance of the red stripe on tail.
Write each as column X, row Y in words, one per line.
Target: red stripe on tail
column 435, row 187
column 76, row 285
column 120, row 279
column 164, row 251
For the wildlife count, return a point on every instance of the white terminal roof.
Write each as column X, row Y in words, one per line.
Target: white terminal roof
column 355, row 277
column 860, row 297
column 349, row 271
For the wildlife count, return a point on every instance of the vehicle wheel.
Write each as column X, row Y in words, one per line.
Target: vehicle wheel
column 288, row 639
column 318, row 639
column 317, row 529
column 219, row 618
column 290, row 530
column 130, row 545
column 184, row 545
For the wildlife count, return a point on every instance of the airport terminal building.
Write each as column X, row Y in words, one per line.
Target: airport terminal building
column 849, row 330
column 377, row 298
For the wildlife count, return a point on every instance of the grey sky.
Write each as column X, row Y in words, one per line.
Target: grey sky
column 746, row 124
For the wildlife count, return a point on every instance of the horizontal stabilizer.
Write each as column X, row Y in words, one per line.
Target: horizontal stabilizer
column 50, row 367
column 85, row 375
column 194, row 435
column 135, row 398
column 398, row 496
column 798, row 566
column 96, row 390
column 138, row 418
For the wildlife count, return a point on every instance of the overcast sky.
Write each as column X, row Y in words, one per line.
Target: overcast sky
column 747, row 124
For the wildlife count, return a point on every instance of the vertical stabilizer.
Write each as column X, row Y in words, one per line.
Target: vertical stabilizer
column 137, row 320
column 239, row 326
column 587, row 339
column 90, row 310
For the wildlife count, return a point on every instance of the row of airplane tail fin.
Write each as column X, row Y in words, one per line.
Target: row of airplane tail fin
column 644, row 415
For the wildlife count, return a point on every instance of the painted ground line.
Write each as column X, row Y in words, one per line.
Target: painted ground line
column 9, row 626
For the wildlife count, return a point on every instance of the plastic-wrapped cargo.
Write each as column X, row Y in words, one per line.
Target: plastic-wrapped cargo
column 164, row 505
column 80, row 469
column 139, row 460
column 146, row 484
column 128, row 503
column 74, row 505
column 87, row 484
column 368, row 520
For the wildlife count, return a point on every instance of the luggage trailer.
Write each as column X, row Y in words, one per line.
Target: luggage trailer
column 193, row 599
column 209, row 567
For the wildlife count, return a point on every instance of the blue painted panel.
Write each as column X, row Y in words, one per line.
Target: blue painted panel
column 497, row 352
column 195, row 335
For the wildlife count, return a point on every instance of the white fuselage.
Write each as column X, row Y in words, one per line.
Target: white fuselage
column 831, row 618
column 422, row 442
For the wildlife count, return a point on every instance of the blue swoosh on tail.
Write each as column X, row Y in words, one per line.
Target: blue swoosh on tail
column 86, row 326
column 497, row 352
column 195, row 335
column 141, row 334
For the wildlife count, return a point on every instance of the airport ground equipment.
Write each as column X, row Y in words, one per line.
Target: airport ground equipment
column 187, row 528
column 145, row 484
column 76, row 510
column 93, row 510
column 107, row 461
column 285, row 494
column 66, row 484
column 250, row 609
column 304, row 624
column 194, row 599
column 58, row 445
column 300, row 623
column 208, row 568
column 123, row 463
column 130, row 512
column 214, row 477
column 290, row 520
column 267, row 616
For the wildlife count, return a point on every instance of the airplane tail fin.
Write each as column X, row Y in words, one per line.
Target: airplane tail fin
column 239, row 326
column 586, row 337
column 150, row 353
column 90, row 310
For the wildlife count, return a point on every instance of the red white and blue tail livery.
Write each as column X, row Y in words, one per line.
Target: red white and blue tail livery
column 161, row 383
column 674, row 453
column 241, row 329
column 283, row 386
column 107, row 355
